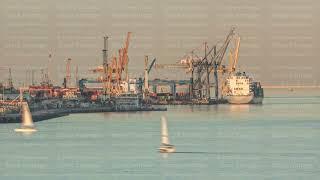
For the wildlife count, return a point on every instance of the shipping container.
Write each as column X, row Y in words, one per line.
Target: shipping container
column 164, row 89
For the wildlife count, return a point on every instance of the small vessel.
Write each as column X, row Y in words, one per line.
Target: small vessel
column 239, row 89
column 26, row 120
column 165, row 146
column 258, row 93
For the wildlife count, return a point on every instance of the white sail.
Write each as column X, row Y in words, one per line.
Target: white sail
column 26, row 116
column 164, row 131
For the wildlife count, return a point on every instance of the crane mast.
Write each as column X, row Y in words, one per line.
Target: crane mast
column 236, row 57
column 105, row 64
column 68, row 73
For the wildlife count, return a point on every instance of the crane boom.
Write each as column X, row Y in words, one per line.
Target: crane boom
column 173, row 66
column 151, row 65
column 125, row 59
column 236, row 54
column 218, row 58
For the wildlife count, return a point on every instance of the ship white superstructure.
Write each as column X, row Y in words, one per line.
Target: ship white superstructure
column 239, row 91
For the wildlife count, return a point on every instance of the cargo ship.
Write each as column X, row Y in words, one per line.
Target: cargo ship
column 239, row 89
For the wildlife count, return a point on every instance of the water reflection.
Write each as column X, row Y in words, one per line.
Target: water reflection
column 27, row 133
column 165, row 155
column 239, row 108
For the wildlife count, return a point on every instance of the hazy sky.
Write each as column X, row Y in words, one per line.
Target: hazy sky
column 280, row 38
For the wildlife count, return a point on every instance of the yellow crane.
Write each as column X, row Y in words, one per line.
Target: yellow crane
column 234, row 56
column 123, row 55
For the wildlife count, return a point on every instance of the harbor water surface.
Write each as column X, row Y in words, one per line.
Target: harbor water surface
column 276, row 140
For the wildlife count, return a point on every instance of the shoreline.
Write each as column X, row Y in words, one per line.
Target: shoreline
column 42, row 115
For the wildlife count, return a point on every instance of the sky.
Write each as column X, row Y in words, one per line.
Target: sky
column 279, row 38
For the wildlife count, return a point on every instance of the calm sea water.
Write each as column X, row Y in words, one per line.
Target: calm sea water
column 276, row 140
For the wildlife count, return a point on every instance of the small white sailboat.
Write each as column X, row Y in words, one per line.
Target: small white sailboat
column 26, row 120
column 165, row 146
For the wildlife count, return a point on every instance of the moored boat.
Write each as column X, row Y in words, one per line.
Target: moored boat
column 258, row 93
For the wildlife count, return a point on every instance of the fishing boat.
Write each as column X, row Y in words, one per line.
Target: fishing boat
column 165, row 146
column 26, row 120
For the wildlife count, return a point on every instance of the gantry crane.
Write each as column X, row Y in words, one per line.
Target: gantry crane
column 147, row 70
column 201, row 75
column 213, row 62
column 217, row 66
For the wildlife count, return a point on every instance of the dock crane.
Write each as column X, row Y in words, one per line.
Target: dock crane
column 201, row 75
column 123, row 57
column 151, row 65
column 212, row 62
column 233, row 57
column 146, row 75
column 217, row 67
column 146, row 78
column 215, row 64
column 115, row 71
column 186, row 62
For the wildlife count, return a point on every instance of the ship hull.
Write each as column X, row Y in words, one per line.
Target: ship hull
column 239, row 99
column 25, row 130
column 167, row 149
column 256, row 100
column 258, row 93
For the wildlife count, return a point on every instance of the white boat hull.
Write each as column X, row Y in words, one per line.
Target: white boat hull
column 25, row 130
column 167, row 149
column 240, row 99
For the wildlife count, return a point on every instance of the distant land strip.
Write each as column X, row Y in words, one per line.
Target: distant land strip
column 290, row 87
